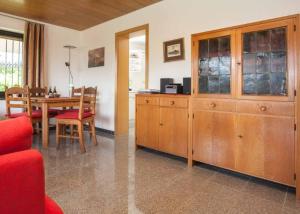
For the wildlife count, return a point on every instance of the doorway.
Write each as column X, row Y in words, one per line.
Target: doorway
column 132, row 56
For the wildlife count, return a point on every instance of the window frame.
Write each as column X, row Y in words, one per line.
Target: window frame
column 6, row 34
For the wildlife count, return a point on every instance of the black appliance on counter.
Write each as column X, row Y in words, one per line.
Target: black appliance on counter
column 164, row 82
column 187, row 85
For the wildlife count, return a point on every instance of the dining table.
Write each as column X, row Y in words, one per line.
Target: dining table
column 45, row 104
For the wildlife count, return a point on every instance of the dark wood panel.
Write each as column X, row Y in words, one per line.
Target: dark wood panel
column 79, row 14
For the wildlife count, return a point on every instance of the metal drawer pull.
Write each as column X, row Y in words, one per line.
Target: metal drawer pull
column 212, row 105
column 263, row 108
column 172, row 102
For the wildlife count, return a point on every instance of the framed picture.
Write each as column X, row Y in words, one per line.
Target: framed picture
column 174, row 50
column 96, row 57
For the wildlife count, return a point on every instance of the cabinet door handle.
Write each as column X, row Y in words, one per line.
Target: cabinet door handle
column 212, row 105
column 147, row 101
column 161, row 124
column 240, row 136
column 238, row 63
column 263, row 108
column 172, row 102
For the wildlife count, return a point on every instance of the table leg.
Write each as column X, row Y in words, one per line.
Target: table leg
column 45, row 125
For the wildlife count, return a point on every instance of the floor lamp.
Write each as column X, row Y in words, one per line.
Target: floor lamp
column 68, row 64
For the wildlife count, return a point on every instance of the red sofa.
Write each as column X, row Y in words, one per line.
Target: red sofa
column 22, row 180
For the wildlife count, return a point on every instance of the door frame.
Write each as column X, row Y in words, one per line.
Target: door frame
column 120, row 128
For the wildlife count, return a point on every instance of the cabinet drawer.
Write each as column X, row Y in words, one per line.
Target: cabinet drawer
column 174, row 102
column 147, row 100
column 267, row 108
column 215, row 105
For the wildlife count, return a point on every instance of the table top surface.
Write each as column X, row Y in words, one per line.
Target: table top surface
column 55, row 100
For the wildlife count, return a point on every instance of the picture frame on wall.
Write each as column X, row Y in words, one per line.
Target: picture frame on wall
column 174, row 50
column 96, row 57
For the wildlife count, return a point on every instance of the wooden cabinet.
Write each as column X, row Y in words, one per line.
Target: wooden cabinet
column 147, row 123
column 162, row 123
column 243, row 101
column 213, row 138
column 173, row 131
column 202, row 136
column 224, row 140
column 265, row 147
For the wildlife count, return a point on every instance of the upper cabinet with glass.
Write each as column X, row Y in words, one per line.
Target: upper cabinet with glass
column 214, row 64
column 254, row 61
column 264, row 64
column 265, row 59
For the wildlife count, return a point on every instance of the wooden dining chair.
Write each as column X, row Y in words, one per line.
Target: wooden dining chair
column 85, row 115
column 38, row 91
column 18, row 104
column 76, row 92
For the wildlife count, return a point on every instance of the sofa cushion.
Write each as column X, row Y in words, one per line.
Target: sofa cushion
column 22, row 184
column 15, row 135
column 35, row 114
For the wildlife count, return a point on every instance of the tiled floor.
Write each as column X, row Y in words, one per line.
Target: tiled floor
column 113, row 178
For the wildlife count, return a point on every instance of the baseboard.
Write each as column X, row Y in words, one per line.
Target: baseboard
column 105, row 131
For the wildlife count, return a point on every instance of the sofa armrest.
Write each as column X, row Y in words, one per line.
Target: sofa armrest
column 51, row 207
column 22, row 184
column 15, row 135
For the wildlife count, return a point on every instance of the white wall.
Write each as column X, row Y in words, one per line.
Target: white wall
column 55, row 55
column 169, row 19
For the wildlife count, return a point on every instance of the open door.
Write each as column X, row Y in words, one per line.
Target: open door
column 122, row 103
column 122, row 77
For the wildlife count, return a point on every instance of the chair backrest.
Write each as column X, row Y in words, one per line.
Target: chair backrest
column 18, row 98
column 87, row 101
column 38, row 92
column 76, row 92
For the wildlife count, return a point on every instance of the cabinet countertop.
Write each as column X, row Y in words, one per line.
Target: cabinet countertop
column 163, row 95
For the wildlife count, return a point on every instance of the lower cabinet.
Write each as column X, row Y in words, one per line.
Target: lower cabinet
column 163, row 124
column 237, row 135
column 202, row 136
column 213, row 138
column 173, row 132
column 265, row 147
column 260, row 144
column 147, row 125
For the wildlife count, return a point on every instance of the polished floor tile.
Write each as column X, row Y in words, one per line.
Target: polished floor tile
column 115, row 178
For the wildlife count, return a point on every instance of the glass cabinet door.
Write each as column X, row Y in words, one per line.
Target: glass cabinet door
column 265, row 55
column 264, row 64
column 214, row 65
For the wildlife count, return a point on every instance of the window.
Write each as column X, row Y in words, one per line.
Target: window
column 11, row 60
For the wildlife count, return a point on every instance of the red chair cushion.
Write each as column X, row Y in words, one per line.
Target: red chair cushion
column 35, row 114
column 15, row 135
column 54, row 111
column 51, row 207
column 73, row 115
